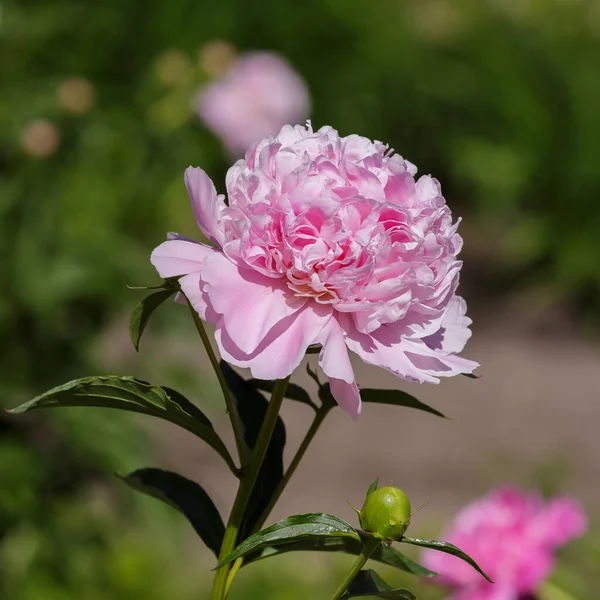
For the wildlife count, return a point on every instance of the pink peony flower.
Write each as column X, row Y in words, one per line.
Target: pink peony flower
column 513, row 536
column 329, row 241
column 258, row 95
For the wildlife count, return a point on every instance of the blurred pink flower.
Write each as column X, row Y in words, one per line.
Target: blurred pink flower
column 513, row 536
column 327, row 241
column 258, row 95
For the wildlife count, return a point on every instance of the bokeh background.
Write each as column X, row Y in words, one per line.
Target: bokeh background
column 499, row 99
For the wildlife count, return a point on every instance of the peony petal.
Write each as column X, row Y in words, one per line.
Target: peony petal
column 347, row 396
column 335, row 362
column 454, row 331
column 192, row 286
column 251, row 304
column 488, row 591
column 282, row 350
column 441, row 365
column 383, row 349
column 178, row 257
column 207, row 206
column 560, row 521
column 333, row 358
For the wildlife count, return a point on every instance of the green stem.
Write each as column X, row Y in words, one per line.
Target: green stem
column 370, row 545
column 242, row 448
column 320, row 415
column 247, row 485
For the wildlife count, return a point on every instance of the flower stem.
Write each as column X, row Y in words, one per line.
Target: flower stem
column 242, row 448
column 370, row 545
column 320, row 415
column 247, row 485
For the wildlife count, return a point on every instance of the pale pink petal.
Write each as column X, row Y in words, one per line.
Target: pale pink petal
column 383, row 349
column 206, row 204
column 440, row 364
column 192, row 286
column 454, row 331
column 505, row 533
column 178, row 257
column 251, row 304
column 559, row 522
column 347, row 396
column 335, row 362
column 281, row 351
column 488, row 591
column 333, row 358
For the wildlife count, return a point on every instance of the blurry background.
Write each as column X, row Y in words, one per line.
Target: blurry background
column 499, row 99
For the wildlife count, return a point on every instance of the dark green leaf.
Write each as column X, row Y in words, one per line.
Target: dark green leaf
column 373, row 487
column 252, row 407
column 471, row 375
column 291, row 529
column 396, row 398
column 293, row 391
column 143, row 311
column 187, row 406
column 350, row 545
column 369, row 583
column 130, row 394
column 187, row 497
column 444, row 547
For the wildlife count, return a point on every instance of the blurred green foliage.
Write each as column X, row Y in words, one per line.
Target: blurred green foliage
column 499, row 99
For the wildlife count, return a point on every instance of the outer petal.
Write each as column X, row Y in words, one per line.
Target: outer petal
column 335, row 362
column 192, row 286
column 561, row 520
column 436, row 363
column 383, row 348
column 488, row 591
column 179, row 257
column 281, row 351
column 207, row 206
column 454, row 331
column 251, row 304
column 334, row 359
column 347, row 396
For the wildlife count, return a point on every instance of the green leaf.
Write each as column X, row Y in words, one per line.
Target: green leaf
column 143, row 311
column 393, row 397
column 471, row 375
column 396, row 398
column 293, row 391
column 133, row 395
column 444, row 547
column 369, row 583
column 252, row 407
column 187, row 497
column 295, row 528
column 373, row 487
column 350, row 545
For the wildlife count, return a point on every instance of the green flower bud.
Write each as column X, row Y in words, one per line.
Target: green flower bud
column 385, row 513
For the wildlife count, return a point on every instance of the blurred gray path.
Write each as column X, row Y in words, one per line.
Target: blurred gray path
column 533, row 418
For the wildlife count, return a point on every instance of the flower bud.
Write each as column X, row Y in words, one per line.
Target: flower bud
column 386, row 513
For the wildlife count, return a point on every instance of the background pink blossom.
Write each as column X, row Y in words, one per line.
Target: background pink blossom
column 257, row 96
column 513, row 536
column 325, row 240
